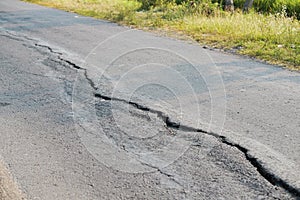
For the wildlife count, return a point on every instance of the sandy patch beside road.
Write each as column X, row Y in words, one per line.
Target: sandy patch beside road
column 8, row 188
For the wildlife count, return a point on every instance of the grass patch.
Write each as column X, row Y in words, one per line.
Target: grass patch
column 273, row 37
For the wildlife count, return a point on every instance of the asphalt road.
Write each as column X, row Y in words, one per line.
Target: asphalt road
column 93, row 110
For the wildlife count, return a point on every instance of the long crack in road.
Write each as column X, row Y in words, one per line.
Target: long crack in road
column 48, row 158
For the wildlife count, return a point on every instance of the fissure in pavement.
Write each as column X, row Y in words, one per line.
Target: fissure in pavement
column 270, row 177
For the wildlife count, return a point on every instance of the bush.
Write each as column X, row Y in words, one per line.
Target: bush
column 178, row 8
column 290, row 7
column 148, row 4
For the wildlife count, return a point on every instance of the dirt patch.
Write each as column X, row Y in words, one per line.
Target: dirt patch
column 8, row 188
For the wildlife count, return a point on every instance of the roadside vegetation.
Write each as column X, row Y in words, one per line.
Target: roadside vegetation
column 269, row 31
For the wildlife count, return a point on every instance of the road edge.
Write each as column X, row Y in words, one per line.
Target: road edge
column 9, row 189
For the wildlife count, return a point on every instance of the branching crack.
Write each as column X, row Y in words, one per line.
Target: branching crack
column 69, row 63
column 272, row 178
column 49, row 48
column 170, row 176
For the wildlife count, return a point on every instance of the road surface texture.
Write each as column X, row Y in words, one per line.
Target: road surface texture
column 93, row 110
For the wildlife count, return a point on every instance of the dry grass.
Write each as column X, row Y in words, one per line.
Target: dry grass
column 273, row 38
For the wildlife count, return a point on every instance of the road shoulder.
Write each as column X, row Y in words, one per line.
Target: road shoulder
column 8, row 188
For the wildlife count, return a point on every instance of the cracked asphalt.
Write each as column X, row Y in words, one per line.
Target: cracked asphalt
column 93, row 110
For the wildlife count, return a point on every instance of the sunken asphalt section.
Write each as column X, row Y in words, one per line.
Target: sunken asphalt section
column 46, row 77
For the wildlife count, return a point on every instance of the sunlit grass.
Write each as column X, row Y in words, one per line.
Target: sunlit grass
column 274, row 38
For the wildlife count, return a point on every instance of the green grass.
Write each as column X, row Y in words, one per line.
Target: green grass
column 273, row 37
column 292, row 7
